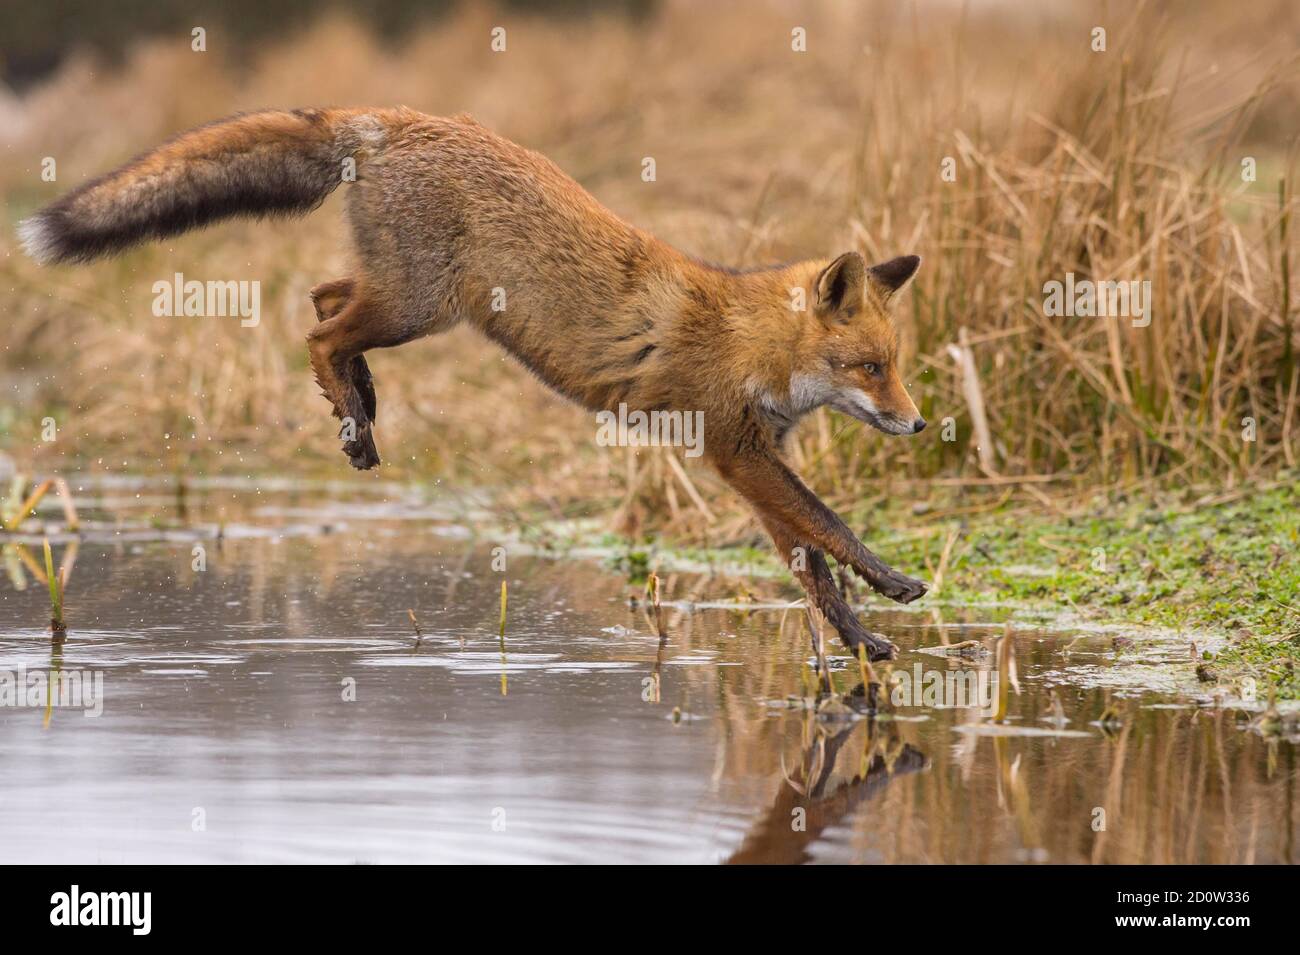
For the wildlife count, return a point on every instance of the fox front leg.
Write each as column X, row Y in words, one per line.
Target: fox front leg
column 808, row 564
column 776, row 492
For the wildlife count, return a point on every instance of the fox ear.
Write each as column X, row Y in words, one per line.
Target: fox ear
column 890, row 278
column 840, row 286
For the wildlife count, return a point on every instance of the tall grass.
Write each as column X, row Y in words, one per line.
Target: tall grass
column 1123, row 164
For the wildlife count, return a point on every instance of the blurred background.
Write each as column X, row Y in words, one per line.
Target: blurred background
column 1122, row 163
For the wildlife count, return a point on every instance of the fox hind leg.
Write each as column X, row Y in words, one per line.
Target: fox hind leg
column 354, row 315
column 362, row 323
column 329, row 299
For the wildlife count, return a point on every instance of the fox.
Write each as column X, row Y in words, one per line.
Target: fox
column 453, row 223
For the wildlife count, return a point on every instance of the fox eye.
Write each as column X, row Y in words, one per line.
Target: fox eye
column 871, row 368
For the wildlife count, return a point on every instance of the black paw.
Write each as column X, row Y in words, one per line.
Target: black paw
column 878, row 648
column 855, row 635
column 361, row 450
column 899, row 587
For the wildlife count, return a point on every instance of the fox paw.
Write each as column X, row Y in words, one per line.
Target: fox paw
column 899, row 587
column 878, row 648
column 855, row 635
column 361, row 450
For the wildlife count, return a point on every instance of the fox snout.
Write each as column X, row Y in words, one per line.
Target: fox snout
column 895, row 424
column 900, row 416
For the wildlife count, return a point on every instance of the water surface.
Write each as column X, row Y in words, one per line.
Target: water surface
column 274, row 707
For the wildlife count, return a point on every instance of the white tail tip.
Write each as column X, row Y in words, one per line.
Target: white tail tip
column 38, row 239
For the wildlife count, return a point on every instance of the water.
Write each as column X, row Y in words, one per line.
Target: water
column 229, row 731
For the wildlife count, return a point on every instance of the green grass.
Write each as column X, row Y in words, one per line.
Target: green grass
column 1226, row 570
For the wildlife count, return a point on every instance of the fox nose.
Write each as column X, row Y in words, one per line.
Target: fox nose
column 918, row 425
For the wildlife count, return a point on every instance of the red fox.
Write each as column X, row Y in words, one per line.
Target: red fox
column 454, row 223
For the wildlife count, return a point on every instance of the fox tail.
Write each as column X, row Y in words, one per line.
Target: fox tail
column 269, row 163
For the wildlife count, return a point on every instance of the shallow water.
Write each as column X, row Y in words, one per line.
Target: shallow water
column 227, row 733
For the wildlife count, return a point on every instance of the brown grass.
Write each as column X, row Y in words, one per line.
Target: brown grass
column 1116, row 165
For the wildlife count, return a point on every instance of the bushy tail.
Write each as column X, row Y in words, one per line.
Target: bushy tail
column 255, row 164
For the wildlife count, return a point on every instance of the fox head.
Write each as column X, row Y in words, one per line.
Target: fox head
column 846, row 355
